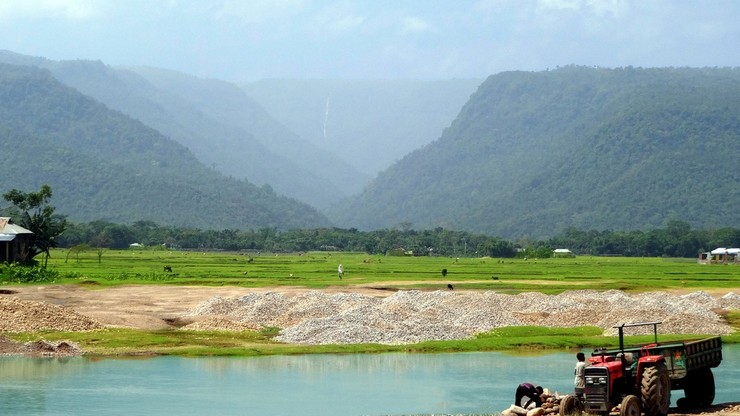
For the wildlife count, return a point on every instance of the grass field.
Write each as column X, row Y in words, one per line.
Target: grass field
column 318, row 270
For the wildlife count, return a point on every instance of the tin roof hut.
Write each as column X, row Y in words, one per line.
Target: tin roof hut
column 14, row 241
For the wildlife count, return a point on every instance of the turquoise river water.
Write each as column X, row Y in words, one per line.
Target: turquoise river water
column 327, row 385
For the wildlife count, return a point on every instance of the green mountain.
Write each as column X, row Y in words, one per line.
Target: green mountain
column 102, row 164
column 280, row 157
column 533, row 153
column 217, row 121
column 369, row 123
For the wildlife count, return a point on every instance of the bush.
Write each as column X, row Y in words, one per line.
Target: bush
column 17, row 273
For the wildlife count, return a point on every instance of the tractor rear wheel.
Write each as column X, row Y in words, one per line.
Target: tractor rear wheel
column 630, row 406
column 655, row 389
column 570, row 406
column 699, row 388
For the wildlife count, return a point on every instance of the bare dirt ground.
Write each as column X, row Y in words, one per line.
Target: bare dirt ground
column 721, row 409
column 143, row 306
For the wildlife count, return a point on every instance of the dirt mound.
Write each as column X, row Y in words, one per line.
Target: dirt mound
column 38, row 348
column 18, row 315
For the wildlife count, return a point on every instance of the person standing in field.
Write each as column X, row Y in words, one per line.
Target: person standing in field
column 340, row 269
column 580, row 373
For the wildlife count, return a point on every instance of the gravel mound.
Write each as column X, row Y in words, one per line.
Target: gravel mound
column 18, row 315
column 414, row 316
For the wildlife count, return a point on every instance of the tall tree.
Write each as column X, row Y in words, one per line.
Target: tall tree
column 37, row 216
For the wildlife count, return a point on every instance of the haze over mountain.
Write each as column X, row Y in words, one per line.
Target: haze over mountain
column 371, row 123
column 102, row 164
column 532, row 153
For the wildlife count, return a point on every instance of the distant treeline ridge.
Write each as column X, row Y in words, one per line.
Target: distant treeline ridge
column 677, row 239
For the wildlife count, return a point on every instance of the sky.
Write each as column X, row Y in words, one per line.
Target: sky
column 249, row 40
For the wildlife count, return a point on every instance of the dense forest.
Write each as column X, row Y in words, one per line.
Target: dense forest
column 676, row 240
column 104, row 165
column 215, row 120
column 302, row 147
column 530, row 156
column 535, row 153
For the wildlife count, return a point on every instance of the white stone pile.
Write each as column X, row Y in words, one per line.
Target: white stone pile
column 413, row 316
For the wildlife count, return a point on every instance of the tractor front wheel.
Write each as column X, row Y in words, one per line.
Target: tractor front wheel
column 570, row 406
column 655, row 390
column 630, row 406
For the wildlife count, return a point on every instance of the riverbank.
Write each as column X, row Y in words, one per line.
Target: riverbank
column 189, row 320
column 166, row 319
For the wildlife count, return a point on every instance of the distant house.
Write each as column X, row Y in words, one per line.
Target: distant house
column 400, row 251
column 720, row 255
column 14, row 241
column 562, row 252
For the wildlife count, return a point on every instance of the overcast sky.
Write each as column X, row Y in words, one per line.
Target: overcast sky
column 246, row 40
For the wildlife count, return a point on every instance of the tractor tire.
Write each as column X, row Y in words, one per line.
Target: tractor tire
column 699, row 388
column 570, row 406
column 630, row 406
column 655, row 389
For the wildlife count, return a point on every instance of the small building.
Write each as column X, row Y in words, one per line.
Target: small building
column 562, row 252
column 14, row 241
column 720, row 255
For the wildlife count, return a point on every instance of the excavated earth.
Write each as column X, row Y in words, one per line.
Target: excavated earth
column 347, row 314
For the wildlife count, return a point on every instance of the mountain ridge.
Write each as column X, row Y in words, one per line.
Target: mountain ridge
column 178, row 105
column 103, row 164
column 536, row 152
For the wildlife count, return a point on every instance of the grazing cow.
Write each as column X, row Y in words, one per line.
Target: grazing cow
column 444, row 272
column 449, row 286
column 168, row 269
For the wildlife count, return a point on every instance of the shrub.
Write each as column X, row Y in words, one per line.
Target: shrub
column 17, row 273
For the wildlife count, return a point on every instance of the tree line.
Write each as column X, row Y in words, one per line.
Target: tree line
column 677, row 239
column 51, row 230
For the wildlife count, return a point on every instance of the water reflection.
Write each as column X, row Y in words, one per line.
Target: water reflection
column 383, row 384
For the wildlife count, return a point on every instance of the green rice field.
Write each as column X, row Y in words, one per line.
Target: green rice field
column 319, row 270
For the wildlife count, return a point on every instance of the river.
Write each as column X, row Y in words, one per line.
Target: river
column 326, row 385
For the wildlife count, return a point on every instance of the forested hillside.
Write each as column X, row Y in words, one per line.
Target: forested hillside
column 102, row 164
column 217, row 121
column 369, row 123
column 534, row 153
column 281, row 158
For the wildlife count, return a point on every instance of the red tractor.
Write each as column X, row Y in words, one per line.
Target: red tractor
column 640, row 378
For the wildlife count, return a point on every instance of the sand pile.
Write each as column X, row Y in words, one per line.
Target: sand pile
column 18, row 315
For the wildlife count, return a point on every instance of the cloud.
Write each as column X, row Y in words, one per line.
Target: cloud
column 415, row 25
column 337, row 18
column 596, row 7
column 50, row 9
column 345, row 23
column 256, row 11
